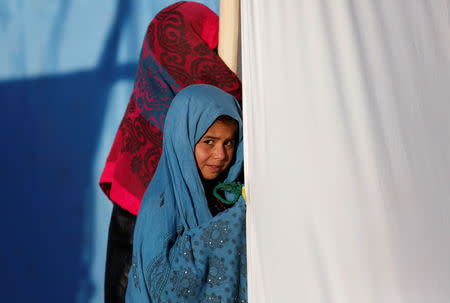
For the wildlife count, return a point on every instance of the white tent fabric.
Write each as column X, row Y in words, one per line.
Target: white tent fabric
column 346, row 108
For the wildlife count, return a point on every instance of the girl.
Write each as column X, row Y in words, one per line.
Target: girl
column 181, row 251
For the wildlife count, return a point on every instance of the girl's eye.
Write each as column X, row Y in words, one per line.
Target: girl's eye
column 229, row 143
column 209, row 142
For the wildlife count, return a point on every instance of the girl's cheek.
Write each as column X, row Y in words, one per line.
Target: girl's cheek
column 201, row 153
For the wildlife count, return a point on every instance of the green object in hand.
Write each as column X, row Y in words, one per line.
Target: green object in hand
column 230, row 187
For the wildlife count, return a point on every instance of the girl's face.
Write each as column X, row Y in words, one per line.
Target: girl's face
column 214, row 151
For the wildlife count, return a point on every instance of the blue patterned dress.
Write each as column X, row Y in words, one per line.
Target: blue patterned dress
column 181, row 253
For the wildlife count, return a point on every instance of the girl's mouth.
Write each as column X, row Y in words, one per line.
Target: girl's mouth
column 215, row 167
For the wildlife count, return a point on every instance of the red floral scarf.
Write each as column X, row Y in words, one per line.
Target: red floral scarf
column 178, row 51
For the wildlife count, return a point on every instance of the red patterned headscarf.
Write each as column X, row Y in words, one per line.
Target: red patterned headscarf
column 178, row 51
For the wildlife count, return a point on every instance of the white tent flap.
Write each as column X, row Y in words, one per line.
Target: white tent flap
column 346, row 108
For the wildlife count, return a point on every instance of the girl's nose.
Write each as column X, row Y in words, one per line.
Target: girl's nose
column 219, row 152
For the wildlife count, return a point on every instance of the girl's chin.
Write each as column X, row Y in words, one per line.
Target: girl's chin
column 210, row 174
column 210, row 177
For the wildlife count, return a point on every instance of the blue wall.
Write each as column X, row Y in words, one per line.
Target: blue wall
column 66, row 74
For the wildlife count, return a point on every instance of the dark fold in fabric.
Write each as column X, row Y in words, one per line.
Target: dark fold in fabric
column 119, row 254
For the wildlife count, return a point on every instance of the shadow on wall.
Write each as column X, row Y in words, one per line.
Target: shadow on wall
column 51, row 126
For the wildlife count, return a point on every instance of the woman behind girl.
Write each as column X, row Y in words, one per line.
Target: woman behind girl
column 189, row 243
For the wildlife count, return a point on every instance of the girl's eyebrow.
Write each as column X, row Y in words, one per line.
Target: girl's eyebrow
column 211, row 137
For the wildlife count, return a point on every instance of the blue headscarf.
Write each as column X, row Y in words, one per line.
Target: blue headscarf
column 181, row 253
